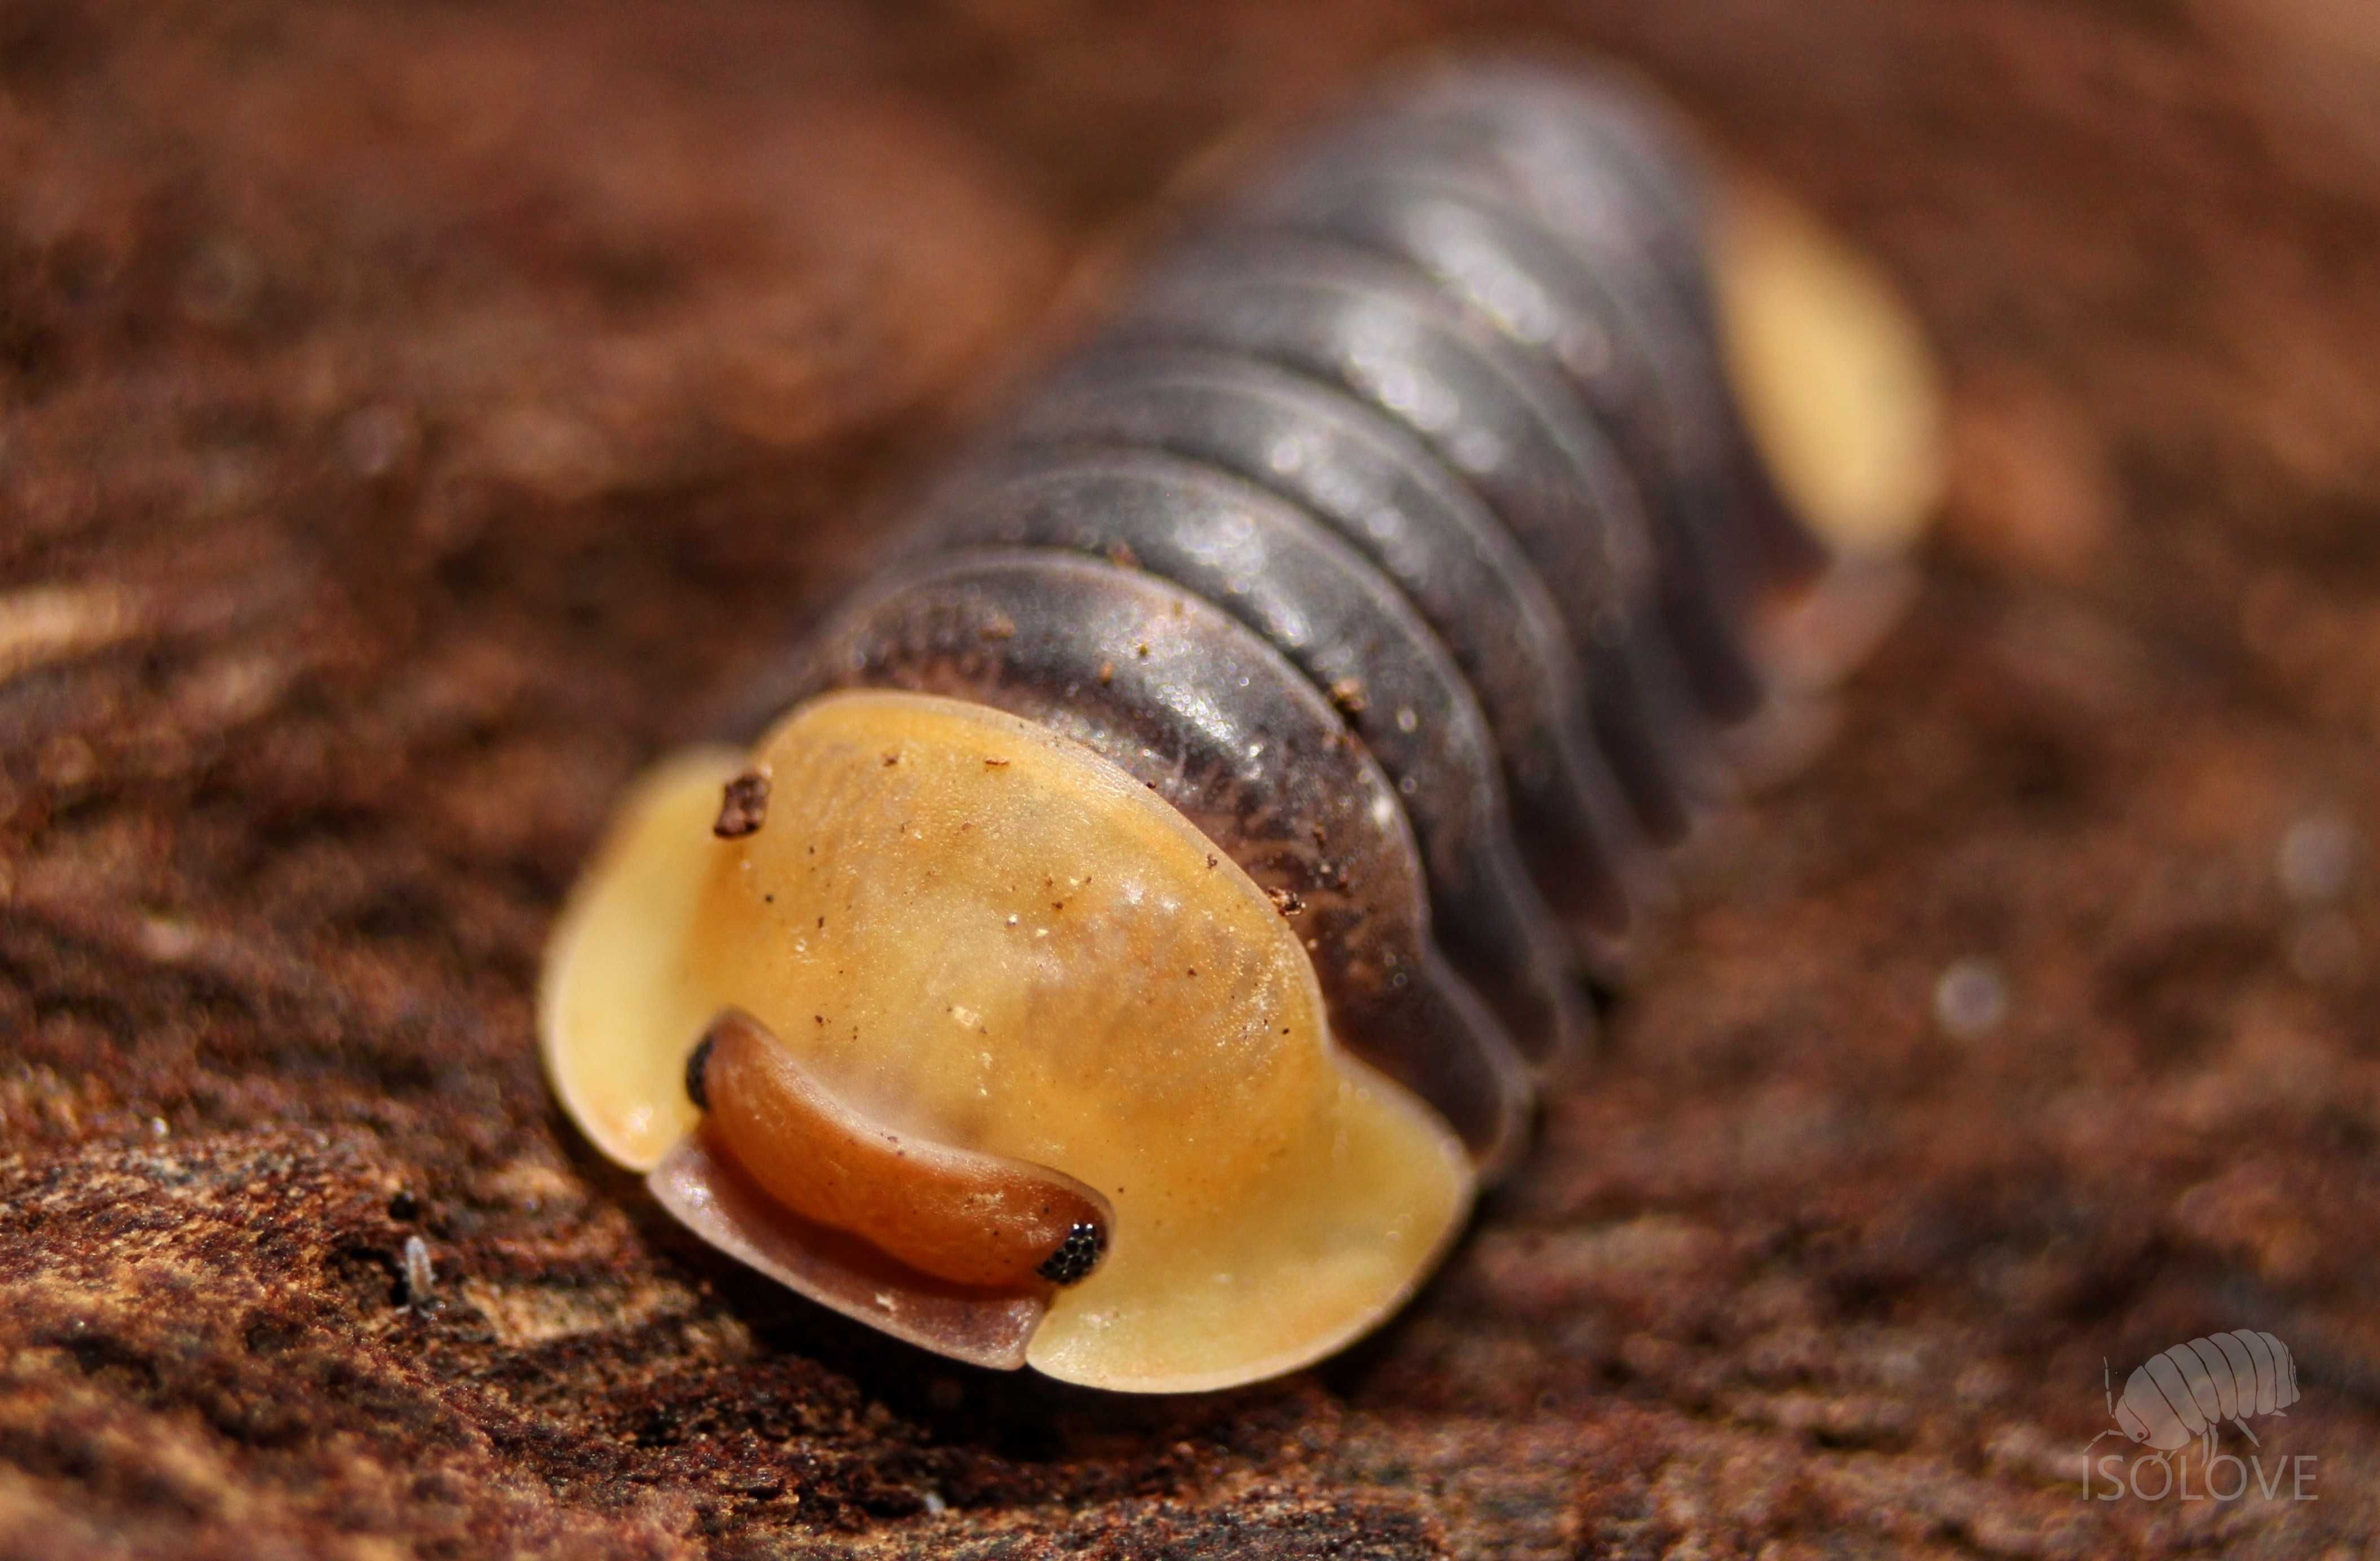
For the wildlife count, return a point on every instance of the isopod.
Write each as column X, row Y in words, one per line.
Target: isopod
column 2189, row 1390
column 1161, row 892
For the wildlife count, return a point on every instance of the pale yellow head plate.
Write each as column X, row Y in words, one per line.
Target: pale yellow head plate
column 982, row 933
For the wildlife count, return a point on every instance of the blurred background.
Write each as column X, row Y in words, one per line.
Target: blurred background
column 414, row 417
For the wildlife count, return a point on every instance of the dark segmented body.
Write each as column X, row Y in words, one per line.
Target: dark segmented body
column 1400, row 530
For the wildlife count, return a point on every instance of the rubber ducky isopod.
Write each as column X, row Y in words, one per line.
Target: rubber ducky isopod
column 1164, row 888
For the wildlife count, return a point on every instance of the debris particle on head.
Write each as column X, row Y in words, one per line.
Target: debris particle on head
column 745, row 805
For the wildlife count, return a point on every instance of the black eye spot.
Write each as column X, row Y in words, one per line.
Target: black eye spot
column 696, row 1061
column 1076, row 1255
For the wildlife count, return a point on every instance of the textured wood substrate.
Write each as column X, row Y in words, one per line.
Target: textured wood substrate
column 414, row 417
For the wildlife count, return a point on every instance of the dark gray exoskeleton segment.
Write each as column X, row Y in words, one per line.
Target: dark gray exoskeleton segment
column 1400, row 530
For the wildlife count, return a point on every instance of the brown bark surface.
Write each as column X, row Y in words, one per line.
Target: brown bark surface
column 411, row 418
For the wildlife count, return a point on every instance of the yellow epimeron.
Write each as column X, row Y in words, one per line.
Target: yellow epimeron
column 1833, row 371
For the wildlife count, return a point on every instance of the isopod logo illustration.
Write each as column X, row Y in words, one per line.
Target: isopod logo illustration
column 2186, row 1394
